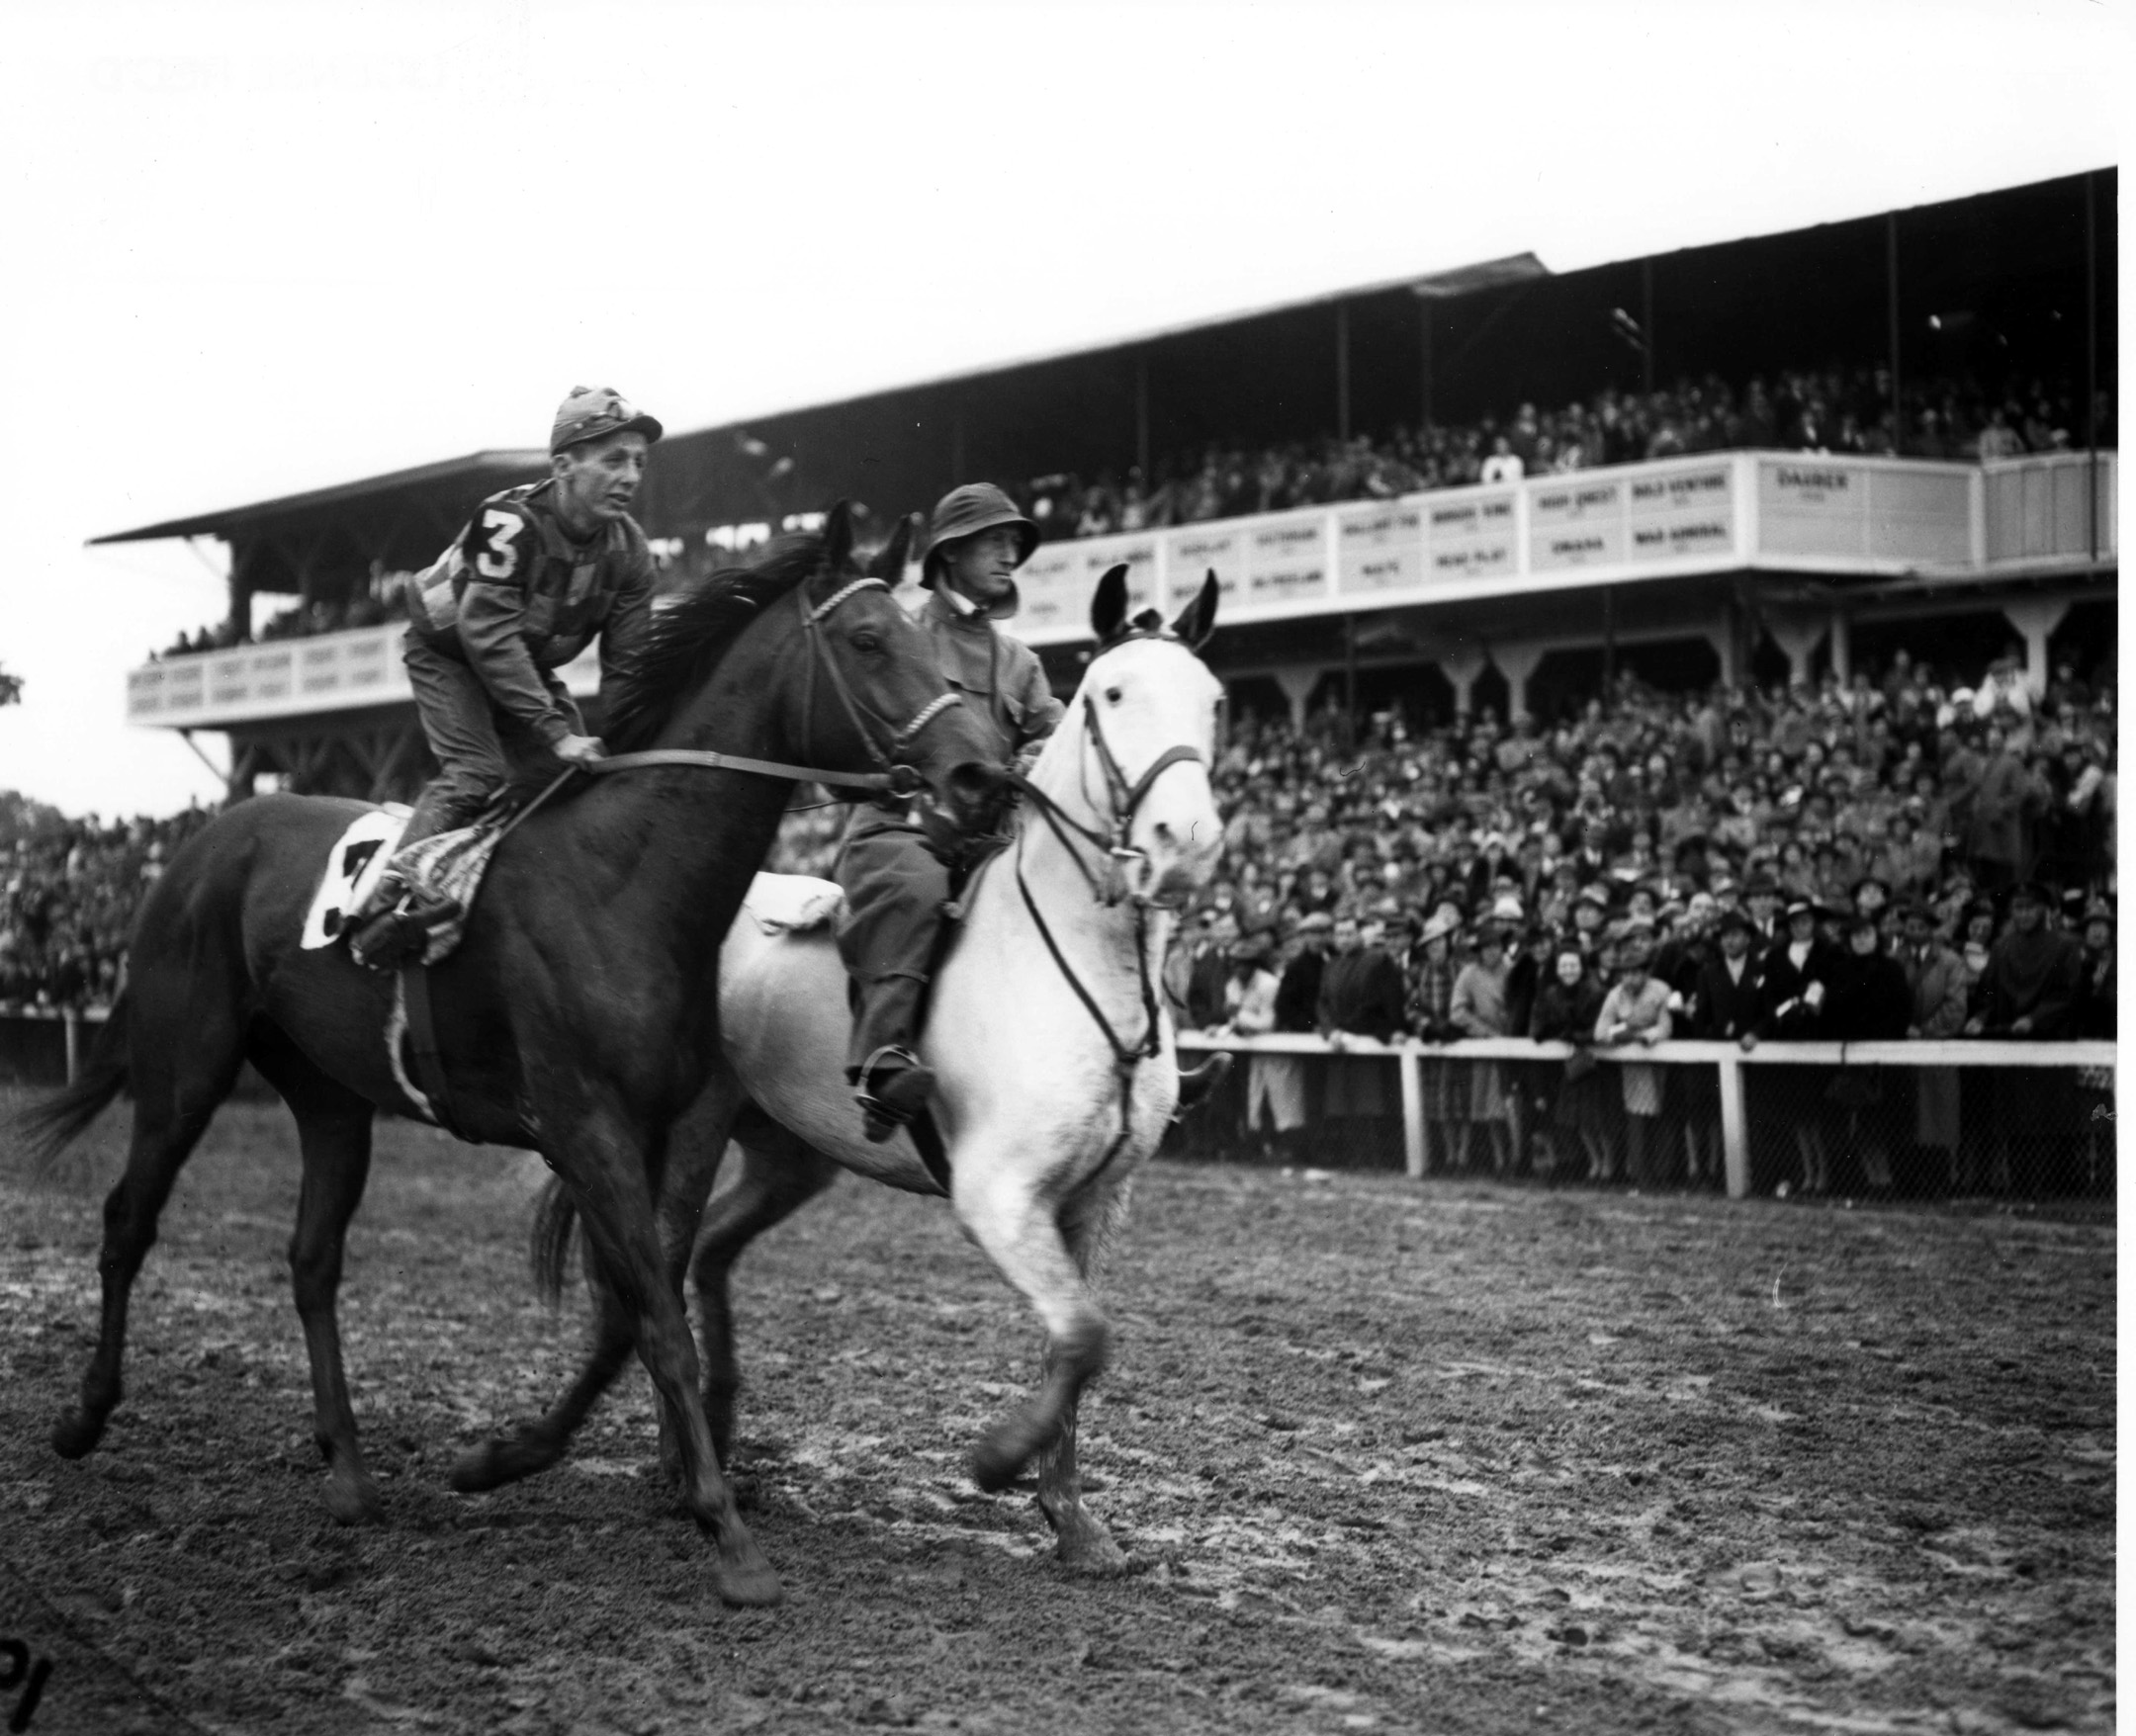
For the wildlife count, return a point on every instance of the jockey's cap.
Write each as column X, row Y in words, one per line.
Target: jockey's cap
column 589, row 412
column 965, row 512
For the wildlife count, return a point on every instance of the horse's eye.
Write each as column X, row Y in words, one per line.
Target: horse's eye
column 867, row 644
column 1112, row 696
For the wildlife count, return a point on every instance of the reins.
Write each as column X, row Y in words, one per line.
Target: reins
column 897, row 778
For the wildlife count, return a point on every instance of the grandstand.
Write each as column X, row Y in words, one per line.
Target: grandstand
column 1762, row 548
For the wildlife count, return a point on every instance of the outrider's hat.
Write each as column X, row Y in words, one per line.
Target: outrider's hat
column 965, row 512
column 589, row 413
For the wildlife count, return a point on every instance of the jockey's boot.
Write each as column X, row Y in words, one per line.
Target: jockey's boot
column 396, row 922
column 1196, row 1083
column 894, row 1087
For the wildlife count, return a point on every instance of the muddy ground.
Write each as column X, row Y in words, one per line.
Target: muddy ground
column 1449, row 1458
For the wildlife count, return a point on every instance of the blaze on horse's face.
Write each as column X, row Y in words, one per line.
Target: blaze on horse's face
column 890, row 673
column 1150, row 694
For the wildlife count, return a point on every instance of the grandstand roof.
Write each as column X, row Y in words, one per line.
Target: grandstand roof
column 449, row 477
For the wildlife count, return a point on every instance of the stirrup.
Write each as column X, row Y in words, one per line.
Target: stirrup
column 889, row 1100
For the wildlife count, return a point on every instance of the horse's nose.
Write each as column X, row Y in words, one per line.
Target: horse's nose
column 972, row 784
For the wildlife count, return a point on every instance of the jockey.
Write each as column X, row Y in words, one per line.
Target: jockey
column 895, row 887
column 538, row 571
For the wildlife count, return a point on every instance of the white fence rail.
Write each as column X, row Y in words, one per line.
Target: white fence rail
column 1729, row 1060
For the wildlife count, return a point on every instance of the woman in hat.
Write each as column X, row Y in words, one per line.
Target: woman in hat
column 1635, row 1010
column 1431, row 1017
column 1478, row 1008
column 1567, row 1006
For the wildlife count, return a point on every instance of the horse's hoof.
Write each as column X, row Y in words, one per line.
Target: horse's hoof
column 743, row 1578
column 999, row 1459
column 76, row 1436
column 1095, row 1557
column 354, row 1501
column 497, row 1462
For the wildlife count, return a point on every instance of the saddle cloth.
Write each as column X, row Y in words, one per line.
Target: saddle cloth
column 450, row 865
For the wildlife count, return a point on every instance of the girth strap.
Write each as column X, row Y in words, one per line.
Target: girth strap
column 705, row 758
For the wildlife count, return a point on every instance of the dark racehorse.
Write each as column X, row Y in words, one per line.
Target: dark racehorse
column 574, row 1019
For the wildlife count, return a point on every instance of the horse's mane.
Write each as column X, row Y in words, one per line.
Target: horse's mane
column 685, row 642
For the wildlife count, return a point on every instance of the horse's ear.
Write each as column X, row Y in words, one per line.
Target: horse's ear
column 1108, row 605
column 889, row 563
column 1198, row 619
column 838, row 536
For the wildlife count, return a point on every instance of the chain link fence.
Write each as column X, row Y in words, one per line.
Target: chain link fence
column 1889, row 1121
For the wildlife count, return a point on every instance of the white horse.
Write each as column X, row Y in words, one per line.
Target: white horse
column 1055, row 1068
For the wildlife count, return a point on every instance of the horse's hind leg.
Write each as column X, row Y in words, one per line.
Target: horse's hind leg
column 1084, row 1546
column 1021, row 1233
column 181, row 1068
column 779, row 1174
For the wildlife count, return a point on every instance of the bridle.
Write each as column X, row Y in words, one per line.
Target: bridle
column 1108, row 887
column 898, row 777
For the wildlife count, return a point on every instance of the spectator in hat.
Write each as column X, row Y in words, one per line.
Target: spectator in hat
column 1635, row 1011
column 1868, row 1002
column 2033, row 978
column 1478, row 1008
column 1283, row 1079
column 2097, row 985
column 1251, row 997
column 1431, row 1017
column 1209, row 969
column 1566, row 1007
column 2007, row 800
column 1935, row 978
column 1361, row 995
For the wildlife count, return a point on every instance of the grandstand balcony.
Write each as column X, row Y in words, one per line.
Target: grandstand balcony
column 1736, row 512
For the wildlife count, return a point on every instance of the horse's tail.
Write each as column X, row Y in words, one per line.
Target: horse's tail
column 47, row 1128
column 556, row 1219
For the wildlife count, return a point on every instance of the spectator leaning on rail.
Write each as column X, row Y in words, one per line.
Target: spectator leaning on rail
column 539, row 571
column 895, row 886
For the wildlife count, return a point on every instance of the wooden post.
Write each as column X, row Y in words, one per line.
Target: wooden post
column 1891, row 316
column 1735, row 1135
column 72, row 1021
column 1412, row 1109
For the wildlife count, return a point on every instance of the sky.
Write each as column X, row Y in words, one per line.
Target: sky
column 258, row 248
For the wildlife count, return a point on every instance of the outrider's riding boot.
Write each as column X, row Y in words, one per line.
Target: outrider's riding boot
column 891, row 1083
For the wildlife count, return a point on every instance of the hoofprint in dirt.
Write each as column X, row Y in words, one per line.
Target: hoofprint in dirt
column 1386, row 1457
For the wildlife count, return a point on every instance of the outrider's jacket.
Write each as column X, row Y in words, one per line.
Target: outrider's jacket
column 514, row 596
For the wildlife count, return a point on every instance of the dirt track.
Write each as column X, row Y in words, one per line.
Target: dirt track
column 1454, row 1459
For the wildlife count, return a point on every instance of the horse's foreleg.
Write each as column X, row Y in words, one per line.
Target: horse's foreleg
column 337, row 1163
column 779, row 1174
column 1084, row 1546
column 606, row 1169
column 694, row 1146
column 181, row 1070
column 1000, row 1208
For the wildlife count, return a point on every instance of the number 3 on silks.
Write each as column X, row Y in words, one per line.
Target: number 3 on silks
column 14, row 1666
column 500, row 559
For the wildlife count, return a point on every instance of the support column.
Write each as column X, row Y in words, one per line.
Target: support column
column 1297, row 681
column 1342, row 371
column 1517, row 661
column 1720, row 635
column 2035, row 619
column 1461, row 668
column 1796, row 637
column 1842, row 647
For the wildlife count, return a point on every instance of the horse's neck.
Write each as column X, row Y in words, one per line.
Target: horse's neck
column 683, row 842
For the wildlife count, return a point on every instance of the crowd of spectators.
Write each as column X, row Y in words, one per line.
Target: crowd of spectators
column 1831, row 410
column 70, row 887
column 376, row 606
column 1888, row 858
